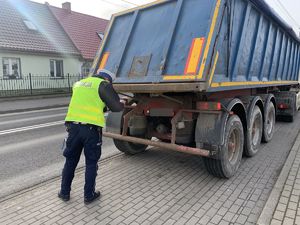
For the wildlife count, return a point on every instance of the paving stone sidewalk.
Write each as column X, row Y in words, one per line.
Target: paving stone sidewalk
column 283, row 205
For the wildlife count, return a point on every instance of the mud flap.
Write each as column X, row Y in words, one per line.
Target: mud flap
column 211, row 125
column 114, row 122
column 209, row 132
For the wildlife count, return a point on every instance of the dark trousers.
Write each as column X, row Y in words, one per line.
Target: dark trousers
column 89, row 138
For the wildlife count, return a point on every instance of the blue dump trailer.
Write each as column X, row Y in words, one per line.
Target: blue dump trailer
column 206, row 77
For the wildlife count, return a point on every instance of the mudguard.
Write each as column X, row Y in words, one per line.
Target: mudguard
column 210, row 128
column 267, row 98
column 257, row 100
column 113, row 122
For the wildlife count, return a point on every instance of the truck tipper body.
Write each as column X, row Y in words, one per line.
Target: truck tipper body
column 205, row 77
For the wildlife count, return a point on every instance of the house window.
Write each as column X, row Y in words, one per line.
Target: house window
column 85, row 68
column 11, row 68
column 100, row 35
column 56, row 68
column 30, row 25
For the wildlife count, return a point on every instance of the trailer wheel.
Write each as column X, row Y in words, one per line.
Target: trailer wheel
column 114, row 123
column 230, row 153
column 269, row 124
column 129, row 148
column 254, row 133
column 290, row 118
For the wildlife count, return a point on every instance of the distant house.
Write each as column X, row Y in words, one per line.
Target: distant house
column 86, row 32
column 43, row 40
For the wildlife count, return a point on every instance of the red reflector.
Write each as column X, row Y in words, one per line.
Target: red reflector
column 209, row 106
column 283, row 106
column 202, row 105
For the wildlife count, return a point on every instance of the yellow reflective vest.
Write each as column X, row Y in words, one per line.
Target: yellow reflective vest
column 86, row 106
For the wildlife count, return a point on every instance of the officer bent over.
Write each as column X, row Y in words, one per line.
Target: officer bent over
column 84, row 121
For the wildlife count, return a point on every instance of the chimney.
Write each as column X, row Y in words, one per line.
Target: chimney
column 67, row 6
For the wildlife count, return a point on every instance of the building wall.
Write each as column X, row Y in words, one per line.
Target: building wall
column 39, row 68
column 39, row 65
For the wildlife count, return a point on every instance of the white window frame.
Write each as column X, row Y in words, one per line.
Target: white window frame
column 53, row 74
column 30, row 25
column 12, row 73
column 85, row 68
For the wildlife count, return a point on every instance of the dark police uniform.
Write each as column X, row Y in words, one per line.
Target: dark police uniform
column 84, row 122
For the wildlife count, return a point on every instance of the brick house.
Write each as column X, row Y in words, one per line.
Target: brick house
column 46, row 41
column 86, row 32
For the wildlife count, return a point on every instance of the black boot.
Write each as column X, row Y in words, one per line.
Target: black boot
column 95, row 196
column 63, row 197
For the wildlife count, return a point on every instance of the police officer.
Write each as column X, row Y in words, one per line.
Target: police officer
column 84, row 121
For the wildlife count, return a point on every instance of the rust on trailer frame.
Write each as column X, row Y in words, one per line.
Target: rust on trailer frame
column 174, row 123
column 180, row 113
column 169, row 136
column 126, row 118
column 160, row 87
column 174, row 147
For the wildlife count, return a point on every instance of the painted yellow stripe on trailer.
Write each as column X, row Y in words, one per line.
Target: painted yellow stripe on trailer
column 194, row 56
column 104, row 60
column 243, row 83
column 209, row 38
column 179, row 77
column 213, row 69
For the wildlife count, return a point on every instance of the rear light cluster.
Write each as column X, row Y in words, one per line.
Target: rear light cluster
column 283, row 106
column 209, row 106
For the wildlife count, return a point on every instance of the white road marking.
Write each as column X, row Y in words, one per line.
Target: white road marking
column 21, row 129
column 31, row 118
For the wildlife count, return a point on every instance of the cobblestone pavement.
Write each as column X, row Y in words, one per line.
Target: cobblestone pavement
column 283, row 206
column 160, row 187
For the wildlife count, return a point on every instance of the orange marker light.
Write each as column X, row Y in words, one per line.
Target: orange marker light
column 209, row 106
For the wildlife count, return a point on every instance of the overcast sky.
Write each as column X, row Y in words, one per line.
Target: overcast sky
column 104, row 8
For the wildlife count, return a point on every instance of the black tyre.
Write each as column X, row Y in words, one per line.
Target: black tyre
column 269, row 123
column 231, row 152
column 116, row 120
column 129, row 148
column 254, row 133
column 290, row 118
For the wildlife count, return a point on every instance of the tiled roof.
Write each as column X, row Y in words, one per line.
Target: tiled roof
column 14, row 34
column 82, row 29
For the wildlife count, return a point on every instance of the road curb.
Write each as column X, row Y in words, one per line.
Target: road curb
column 270, row 206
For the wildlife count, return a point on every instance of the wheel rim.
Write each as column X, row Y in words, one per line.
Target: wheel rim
column 256, row 130
column 270, row 122
column 233, row 145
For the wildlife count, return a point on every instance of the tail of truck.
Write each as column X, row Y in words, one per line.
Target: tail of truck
column 218, row 44
column 207, row 77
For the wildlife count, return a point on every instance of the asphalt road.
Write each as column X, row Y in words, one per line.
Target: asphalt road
column 30, row 150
